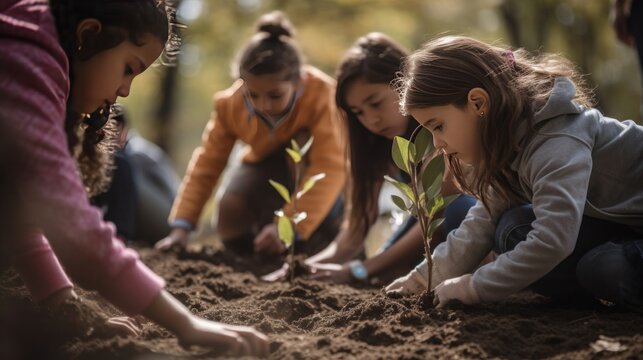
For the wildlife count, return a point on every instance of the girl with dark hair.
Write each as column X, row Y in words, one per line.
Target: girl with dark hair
column 370, row 109
column 565, row 217
column 275, row 99
column 91, row 50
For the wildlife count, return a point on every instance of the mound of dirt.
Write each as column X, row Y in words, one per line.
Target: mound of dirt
column 313, row 320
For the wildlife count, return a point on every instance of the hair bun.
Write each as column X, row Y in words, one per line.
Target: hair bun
column 276, row 24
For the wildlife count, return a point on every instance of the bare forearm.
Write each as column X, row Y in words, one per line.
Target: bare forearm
column 404, row 251
column 190, row 330
column 343, row 248
column 169, row 313
column 326, row 255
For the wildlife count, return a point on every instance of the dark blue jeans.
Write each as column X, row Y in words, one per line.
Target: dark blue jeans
column 453, row 216
column 606, row 264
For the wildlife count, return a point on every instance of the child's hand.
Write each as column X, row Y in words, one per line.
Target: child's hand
column 411, row 283
column 337, row 273
column 277, row 275
column 460, row 288
column 178, row 237
column 124, row 325
column 268, row 241
column 231, row 340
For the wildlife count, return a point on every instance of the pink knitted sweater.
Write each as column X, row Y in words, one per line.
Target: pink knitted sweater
column 34, row 86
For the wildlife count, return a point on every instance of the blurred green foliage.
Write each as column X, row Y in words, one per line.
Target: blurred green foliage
column 577, row 29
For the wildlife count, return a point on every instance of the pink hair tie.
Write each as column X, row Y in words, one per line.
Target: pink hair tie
column 510, row 57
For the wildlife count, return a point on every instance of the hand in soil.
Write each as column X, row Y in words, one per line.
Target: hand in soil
column 301, row 269
column 226, row 339
column 124, row 325
column 268, row 241
column 411, row 283
column 280, row 274
column 336, row 273
column 178, row 237
column 460, row 288
column 170, row 313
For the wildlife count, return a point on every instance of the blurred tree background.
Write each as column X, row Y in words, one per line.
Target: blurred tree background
column 171, row 106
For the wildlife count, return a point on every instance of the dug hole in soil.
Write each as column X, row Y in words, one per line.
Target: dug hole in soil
column 313, row 320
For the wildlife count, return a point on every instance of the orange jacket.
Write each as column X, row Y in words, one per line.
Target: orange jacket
column 314, row 111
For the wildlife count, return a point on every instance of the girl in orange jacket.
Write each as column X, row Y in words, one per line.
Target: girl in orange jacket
column 275, row 99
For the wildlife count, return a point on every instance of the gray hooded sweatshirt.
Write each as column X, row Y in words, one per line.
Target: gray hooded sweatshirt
column 577, row 163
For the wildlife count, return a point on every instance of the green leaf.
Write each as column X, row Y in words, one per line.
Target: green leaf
column 295, row 146
column 434, row 226
column 282, row 190
column 433, row 170
column 299, row 217
column 400, row 153
column 436, row 205
column 399, row 202
column 434, row 189
column 309, row 184
column 306, row 147
column 294, row 155
column 423, row 142
column 404, row 188
column 412, row 155
column 285, row 230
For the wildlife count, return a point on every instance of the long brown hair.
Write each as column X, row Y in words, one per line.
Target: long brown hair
column 375, row 58
column 443, row 72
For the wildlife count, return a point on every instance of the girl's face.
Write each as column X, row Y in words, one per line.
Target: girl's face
column 376, row 107
column 456, row 131
column 101, row 79
column 269, row 93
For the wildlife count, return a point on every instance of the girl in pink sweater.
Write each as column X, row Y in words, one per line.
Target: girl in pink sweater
column 74, row 68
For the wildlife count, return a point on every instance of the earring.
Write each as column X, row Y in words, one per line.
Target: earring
column 80, row 48
column 481, row 113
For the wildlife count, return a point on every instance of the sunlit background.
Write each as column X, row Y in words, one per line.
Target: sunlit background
column 172, row 106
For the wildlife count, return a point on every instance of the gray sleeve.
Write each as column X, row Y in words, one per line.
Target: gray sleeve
column 558, row 174
column 467, row 245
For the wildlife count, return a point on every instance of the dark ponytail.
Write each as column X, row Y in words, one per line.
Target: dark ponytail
column 275, row 24
column 272, row 50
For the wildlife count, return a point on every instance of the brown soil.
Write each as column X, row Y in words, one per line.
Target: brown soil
column 298, row 267
column 313, row 320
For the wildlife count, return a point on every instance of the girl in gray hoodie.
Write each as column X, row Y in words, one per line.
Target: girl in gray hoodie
column 559, row 186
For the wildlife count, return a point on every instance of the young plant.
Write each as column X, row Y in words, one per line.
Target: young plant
column 287, row 225
column 425, row 166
